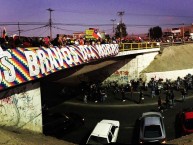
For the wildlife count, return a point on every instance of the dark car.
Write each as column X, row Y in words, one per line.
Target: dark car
column 152, row 128
column 60, row 123
column 186, row 121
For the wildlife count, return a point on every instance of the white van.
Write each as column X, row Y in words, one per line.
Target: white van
column 106, row 131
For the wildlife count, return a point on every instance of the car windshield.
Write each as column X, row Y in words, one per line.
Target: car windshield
column 94, row 140
column 152, row 131
column 188, row 123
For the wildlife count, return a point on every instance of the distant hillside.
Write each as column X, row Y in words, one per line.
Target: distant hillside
column 172, row 58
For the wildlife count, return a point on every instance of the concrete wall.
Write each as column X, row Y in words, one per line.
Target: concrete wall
column 130, row 68
column 20, row 107
column 172, row 75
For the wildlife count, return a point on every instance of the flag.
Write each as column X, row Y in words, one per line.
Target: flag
column 99, row 34
column 4, row 33
column 95, row 34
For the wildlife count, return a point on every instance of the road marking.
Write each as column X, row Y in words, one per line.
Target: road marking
column 128, row 127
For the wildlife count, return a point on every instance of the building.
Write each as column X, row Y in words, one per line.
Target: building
column 78, row 35
column 180, row 32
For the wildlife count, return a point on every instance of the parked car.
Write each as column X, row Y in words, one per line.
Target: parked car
column 106, row 131
column 152, row 128
column 59, row 123
column 186, row 121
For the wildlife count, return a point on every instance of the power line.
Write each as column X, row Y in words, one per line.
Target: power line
column 22, row 23
column 79, row 24
column 23, row 31
column 127, row 14
column 34, row 28
column 82, row 12
column 63, row 29
column 43, row 32
column 152, row 25
column 84, row 25
column 155, row 15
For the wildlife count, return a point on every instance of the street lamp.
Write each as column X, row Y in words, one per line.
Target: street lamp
column 121, row 14
column 113, row 20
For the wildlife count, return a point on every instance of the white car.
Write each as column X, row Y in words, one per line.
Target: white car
column 152, row 128
column 106, row 131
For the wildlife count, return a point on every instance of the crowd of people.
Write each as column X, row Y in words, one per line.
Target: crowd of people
column 59, row 40
column 164, row 91
column 63, row 40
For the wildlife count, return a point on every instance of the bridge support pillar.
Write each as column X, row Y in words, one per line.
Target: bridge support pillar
column 129, row 68
column 20, row 107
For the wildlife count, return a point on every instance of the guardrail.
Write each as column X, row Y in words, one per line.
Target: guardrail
column 138, row 46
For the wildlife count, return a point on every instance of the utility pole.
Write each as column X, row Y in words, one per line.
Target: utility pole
column 50, row 22
column 113, row 20
column 121, row 15
column 183, row 33
column 19, row 30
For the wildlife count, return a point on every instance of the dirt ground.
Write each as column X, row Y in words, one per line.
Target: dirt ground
column 10, row 137
column 171, row 58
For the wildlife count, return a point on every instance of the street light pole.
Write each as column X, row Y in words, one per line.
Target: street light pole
column 50, row 22
column 121, row 14
column 113, row 20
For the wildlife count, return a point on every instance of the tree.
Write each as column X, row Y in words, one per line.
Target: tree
column 120, row 31
column 155, row 32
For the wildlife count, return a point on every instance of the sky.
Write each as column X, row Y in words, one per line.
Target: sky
column 70, row 16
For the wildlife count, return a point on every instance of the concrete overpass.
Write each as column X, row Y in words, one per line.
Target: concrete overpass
column 24, row 69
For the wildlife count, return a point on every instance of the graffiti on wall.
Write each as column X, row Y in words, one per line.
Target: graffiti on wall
column 21, row 108
column 21, row 65
column 121, row 76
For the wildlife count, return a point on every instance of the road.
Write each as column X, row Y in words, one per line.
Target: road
column 126, row 112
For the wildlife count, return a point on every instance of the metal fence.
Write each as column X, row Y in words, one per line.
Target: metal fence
column 138, row 46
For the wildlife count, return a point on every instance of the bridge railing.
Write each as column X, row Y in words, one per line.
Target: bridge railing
column 138, row 46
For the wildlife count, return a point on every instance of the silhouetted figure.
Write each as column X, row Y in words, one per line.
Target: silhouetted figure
column 172, row 96
column 160, row 106
column 183, row 93
column 141, row 97
column 123, row 93
column 167, row 99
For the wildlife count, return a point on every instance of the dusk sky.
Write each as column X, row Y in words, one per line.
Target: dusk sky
column 79, row 15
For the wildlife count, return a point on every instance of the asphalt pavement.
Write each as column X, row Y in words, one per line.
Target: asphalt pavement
column 114, row 108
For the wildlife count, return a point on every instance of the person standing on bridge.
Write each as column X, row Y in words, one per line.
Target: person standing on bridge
column 57, row 41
